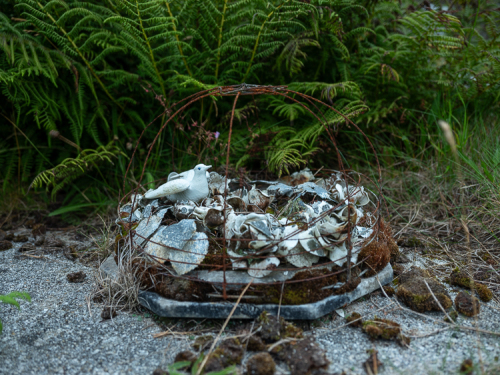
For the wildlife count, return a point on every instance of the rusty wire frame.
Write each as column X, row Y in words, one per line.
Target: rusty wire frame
column 248, row 89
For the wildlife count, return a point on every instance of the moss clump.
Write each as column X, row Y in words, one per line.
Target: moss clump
column 271, row 329
column 413, row 273
column 460, row 278
column 385, row 329
column 484, row 293
column 306, row 291
column 488, row 258
column 467, row 367
column 378, row 255
column 466, row 304
column 230, row 352
column 397, row 270
column 261, row 364
column 354, row 320
column 255, row 344
column 5, row 245
column 410, row 242
column 389, row 290
column 380, row 251
column 304, row 357
column 416, row 296
column 202, row 342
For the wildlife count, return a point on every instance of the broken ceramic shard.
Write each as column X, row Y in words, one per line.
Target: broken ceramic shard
column 150, row 208
column 237, row 204
column 191, row 255
column 280, row 189
column 312, row 188
column 182, row 210
column 214, row 217
column 217, row 183
column 338, row 254
column 172, row 237
column 299, row 257
column 263, row 267
column 148, row 226
column 310, row 243
column 258, row 198
column 287, row 237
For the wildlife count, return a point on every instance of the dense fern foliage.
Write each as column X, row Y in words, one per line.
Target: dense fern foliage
column 99, row 71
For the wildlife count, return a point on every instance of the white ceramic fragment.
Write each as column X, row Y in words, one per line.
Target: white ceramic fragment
column 182, row 210
column 312, row 188
column 148, row 226
column 338, row 254
column 191, row 255
column 172, row 237
column 287, row 237
column 280, row 189
column 310, row 243
column 263, row 267
column 217, row 183
column 299, row 257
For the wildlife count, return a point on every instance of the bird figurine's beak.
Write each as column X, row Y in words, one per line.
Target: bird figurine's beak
column 207, row 167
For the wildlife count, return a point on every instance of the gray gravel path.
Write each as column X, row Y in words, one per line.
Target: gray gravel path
column 56, row 333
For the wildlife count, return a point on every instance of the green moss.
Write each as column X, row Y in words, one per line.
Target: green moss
column 354, row 319
column 484, row 293
column 385, row 329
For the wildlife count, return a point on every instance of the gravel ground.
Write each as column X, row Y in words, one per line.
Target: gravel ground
column 58, row 332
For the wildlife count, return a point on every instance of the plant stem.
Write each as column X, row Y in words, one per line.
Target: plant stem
column 220, row 39
column 258, row 38
column 177, row 38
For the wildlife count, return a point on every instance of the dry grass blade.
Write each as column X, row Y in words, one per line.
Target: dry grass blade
column 172, row 333
column 436, row 300
column 200, row 369
column 282, row 341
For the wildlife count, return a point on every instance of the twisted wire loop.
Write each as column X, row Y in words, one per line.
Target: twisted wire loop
column 216, row 273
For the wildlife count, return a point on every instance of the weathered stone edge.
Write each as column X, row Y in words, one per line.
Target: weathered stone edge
column 220, row 310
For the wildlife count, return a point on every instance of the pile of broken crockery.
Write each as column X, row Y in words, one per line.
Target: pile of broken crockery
column 263, row 224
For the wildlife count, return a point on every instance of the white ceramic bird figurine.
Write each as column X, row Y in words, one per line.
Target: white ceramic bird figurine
column 187, row 186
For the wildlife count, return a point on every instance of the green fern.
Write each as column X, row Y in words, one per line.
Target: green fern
column 70, row 169
column 100, row 71
column 11, row 300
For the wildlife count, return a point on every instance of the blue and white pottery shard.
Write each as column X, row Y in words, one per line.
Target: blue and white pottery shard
column 191, row 255
column 262, row 268
column 299, row 257
column 287, row 237
column 280, row 189
column 321, row 207
column 174, row 236
column 182, row 210
column 310, row 243
column 312, row 188
column 148, row 226
column 150, row 208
